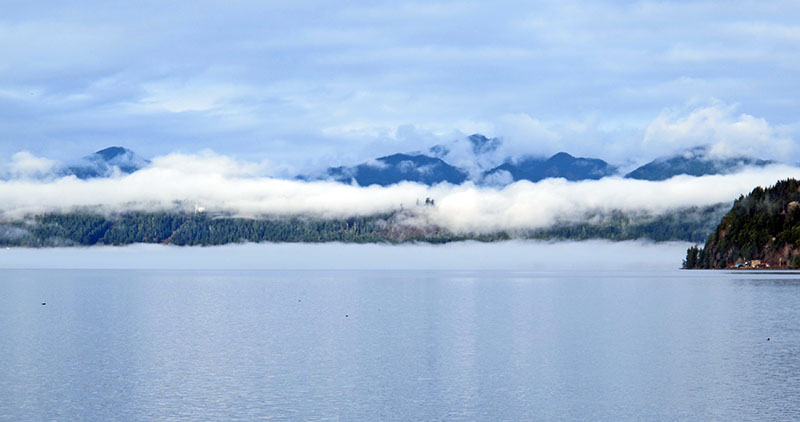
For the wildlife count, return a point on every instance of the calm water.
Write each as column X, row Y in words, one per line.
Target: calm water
column 401, row 345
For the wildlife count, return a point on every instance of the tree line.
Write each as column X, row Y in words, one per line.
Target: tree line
column 86, row 228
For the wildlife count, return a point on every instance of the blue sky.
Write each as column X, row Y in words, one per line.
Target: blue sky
column 302, row 83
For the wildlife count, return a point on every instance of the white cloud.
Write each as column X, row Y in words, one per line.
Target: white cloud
column 498, row 178
column 376, row 164
column 26, row 165
column 209, row 163
column 191, row 95
column 523, row 134
column 718, row 126
column 220, row 183
column 768, row 31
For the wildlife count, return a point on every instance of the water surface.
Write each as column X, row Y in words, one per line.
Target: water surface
column 399, row 345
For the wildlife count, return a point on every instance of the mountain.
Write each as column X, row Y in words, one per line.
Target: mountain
column 560, row 165
column 762, row 229
column 694, row 162
column 482, row 160
column 474, row 154
column 105, row 163
column 476, row 158
column 478, row 145
column 397, row 168
column 483, row 145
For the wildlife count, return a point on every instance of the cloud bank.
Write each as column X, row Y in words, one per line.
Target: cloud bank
column 718, row 126
column 461, row 256
column 219, row 183
column 25, row 165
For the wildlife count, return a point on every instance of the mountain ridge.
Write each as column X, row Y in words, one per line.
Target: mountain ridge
column 696, row 161
column 396, row 168
column 560, row 165
column 105, row 163
column 478, row 151
column 475, row 158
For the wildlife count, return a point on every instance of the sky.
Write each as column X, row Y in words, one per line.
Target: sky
column 299, row 85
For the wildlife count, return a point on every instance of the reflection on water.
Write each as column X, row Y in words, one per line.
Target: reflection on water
column 408, row 345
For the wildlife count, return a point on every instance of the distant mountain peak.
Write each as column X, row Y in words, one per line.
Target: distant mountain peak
column 473, row 154
column 561, row 156
column 560, row 165
column 106, row 162
column 696, row 161
column 698, row 151
column 482, row 145
column 397, row 168
column 111, row 152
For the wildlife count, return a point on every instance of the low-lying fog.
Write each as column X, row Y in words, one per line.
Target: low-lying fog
column 511, row 255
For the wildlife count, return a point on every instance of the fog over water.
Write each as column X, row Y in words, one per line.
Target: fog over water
column 509, row 255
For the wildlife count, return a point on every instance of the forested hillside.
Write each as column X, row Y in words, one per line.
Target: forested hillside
column 761, row 230
column 182, row 228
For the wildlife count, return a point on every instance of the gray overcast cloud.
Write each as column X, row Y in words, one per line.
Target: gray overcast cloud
column 305, row 84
